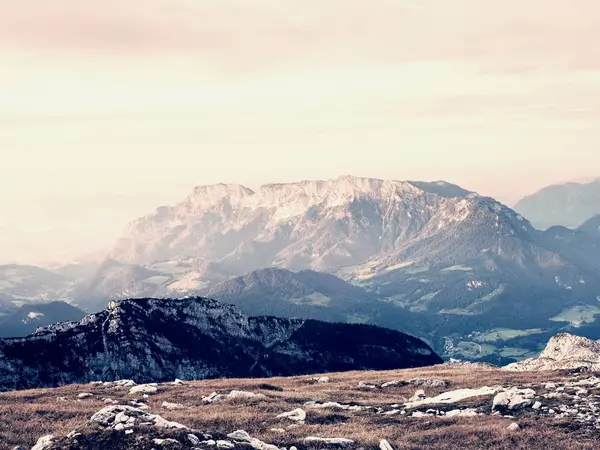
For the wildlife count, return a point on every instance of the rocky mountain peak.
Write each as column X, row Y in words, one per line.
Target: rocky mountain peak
column 334, row 223
column 208, row 195
column 563, row 351
column 567, row 347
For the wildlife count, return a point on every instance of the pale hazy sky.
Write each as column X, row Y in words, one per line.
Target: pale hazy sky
column 109, row 109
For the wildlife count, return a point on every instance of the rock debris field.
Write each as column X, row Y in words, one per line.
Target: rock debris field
column 467, row 406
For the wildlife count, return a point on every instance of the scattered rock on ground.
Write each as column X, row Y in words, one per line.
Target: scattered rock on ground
column 513, row 399
column 469, row 412
column 216, row 397
column 385, row 445
column 241, row 436
column 454, row 396
column 171, row 406
column 297, row 415
column 113, row 416
column 329, row 442
column 419, row 395
column 144, row 389
column 513, row 427
column 321, row 380
column 43, row 442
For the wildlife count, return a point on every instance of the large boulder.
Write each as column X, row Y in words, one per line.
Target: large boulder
column 513, row 399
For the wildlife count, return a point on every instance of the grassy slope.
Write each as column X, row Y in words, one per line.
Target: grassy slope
column 27, row 415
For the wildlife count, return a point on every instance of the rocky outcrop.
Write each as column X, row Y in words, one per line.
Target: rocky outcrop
column 563, row 351
column 123, row 427
column 152, row 340
column 513, row 399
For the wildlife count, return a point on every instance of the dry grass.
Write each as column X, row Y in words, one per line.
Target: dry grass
column 27, row 415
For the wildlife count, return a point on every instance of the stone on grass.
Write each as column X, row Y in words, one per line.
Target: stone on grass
column 513, row 399
column 385, row 445
column 242, row 437
column 172, row 406
column 43, row 443
column 419, row 395
column 297, row 415
column 329, row 442
column 145, row 389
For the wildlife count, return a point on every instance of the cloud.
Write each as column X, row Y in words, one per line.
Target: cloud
column 247, row 35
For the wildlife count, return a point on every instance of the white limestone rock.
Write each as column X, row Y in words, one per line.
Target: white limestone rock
column 172, row 406
column 469, row 412
column 419, row 395
column 454, row 396
column 241, row 436
column 113, row 416
column 145, row 389
column 43, row 443
column 297, row 415
column 165, row 441
column 513, row 399
column 385, row 445
column 194, row 440
column 244, row 394
column 321, row 379
column 329, row 442
column 563, row 351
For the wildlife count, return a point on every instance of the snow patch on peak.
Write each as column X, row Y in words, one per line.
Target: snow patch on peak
column 33, row 316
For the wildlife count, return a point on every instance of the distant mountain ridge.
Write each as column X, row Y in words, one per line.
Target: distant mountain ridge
column 31, row 316
column 569, row 204
column 155, row 340
column 312, row 295
column 316, row 225
column 23, row 283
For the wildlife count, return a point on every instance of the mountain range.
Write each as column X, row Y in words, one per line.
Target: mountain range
column 156, row 340
column 568, row 204
column 470, row 275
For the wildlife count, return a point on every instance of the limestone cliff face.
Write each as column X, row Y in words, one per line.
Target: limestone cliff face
column 197, row 338
column 564, row 351
column 567, row 347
